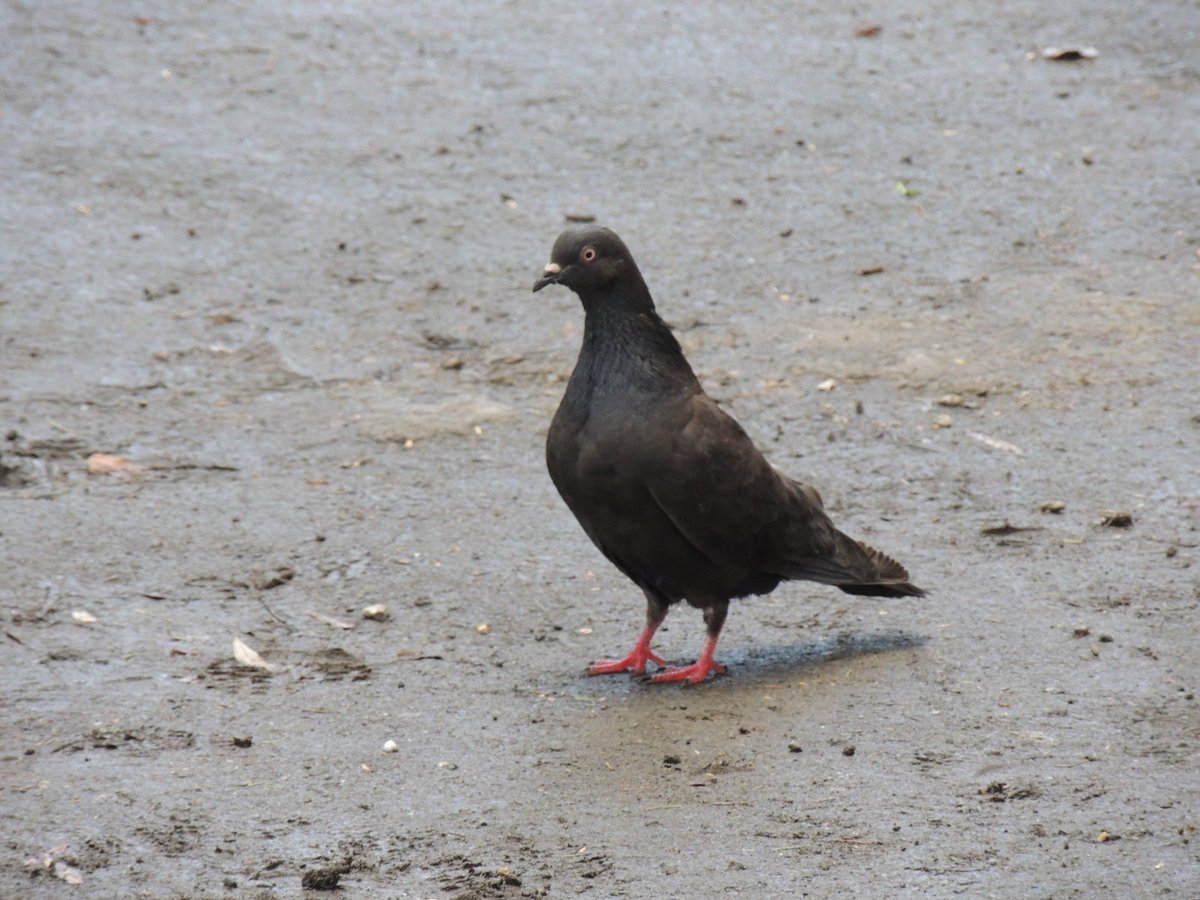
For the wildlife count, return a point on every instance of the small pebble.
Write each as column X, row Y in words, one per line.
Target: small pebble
column 390, row 747
column 376, row 611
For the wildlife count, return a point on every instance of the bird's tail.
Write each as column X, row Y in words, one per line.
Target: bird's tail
column 855, row 568
column 889, row 578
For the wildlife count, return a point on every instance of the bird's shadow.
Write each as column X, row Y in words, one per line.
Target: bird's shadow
column 771, row 662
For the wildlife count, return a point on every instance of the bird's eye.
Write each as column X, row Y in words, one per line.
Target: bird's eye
column 589, row 254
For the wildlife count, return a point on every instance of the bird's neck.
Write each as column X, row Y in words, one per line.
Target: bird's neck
column 627, row 347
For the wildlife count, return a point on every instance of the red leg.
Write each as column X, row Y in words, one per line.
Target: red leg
column 636, row 661
column 697, row 671
column 714, row 618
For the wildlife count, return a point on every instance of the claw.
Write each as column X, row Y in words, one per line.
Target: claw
column 693, row 674
column 635, row 662
column 697, row 671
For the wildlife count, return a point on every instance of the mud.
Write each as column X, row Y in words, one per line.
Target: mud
column 277, row 259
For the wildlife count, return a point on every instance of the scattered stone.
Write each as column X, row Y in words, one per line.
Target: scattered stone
column 321, row 879
column 1069, row 54
column 505, row 877
column 166, row 290
column 1000, row 792
column 280, row 576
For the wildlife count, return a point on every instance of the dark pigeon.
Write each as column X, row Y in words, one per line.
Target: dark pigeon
column 668, row 485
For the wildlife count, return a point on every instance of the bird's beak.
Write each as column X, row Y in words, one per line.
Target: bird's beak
column 550, row 275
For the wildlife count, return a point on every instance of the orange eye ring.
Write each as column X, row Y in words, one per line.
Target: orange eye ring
column 589, row 254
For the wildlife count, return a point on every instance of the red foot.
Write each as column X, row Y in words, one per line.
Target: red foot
column 697, row 671
column 635, row 662
column 693, row 674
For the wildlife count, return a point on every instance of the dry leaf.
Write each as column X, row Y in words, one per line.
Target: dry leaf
column 996, row 443
column 1006, row 529
column 69, row 874
column 247, row 656
column 330, row 620
column 107, row 464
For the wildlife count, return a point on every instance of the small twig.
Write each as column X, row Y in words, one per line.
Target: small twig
column 273, row 614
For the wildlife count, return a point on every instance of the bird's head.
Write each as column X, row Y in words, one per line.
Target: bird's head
column 587, row 259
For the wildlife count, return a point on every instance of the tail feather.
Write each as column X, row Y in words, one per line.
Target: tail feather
column 890, row 578
column 853, row 567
